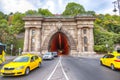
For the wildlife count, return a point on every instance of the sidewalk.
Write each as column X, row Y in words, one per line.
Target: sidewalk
column 94, row 56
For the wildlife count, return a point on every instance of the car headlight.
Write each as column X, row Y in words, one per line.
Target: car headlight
column 20, row 67
column 2, row 68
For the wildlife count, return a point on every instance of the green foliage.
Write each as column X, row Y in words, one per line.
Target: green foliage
column 2, row 16
column 100, row 48
column 107, row 31
column 90, row 13
column 18, row 27
column 40, row 12
column 108, row 22
column 15, row 23
column 102, row 38
column 44, row 12
column 116, row 38
column 20, row 43
column 31, row 12
column 73, row 9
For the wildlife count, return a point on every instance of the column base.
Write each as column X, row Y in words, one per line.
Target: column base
column 78, row 54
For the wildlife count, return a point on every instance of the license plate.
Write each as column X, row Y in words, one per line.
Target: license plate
column 7, row 71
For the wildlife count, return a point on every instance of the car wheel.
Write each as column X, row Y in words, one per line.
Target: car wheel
column 112, row 67
column 39, row 64
column 101, row 63
column 27, row 71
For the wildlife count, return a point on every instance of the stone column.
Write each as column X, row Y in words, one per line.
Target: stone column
column 26, row 40
column 38, row 40
column 79, row 47
column 91, row 40
column 30, row 40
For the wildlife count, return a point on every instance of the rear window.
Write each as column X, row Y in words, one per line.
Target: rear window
column 118, row 57
column 48, row 53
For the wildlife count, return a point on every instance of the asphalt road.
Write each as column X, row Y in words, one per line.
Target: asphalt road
column 88, row 69
column 70, row 68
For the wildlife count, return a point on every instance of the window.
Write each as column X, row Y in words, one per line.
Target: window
column 85, row 40
column 111, row 56
column 84, row 31
column 32, row 59
column 108, row 56
column 33, row 32
column 36, row 57
column 33, row 40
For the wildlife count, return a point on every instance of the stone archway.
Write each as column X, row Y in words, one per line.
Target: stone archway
column 70, row 40
column 59, row 43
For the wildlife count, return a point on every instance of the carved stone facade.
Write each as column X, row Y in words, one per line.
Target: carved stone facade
column 78, row 30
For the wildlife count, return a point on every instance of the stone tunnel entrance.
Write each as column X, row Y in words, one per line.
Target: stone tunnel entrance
column 59, row 43
column 65, row 35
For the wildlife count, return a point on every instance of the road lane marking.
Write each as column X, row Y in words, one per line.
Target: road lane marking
column 59, row 62
column 63, row 70
column 53, row 70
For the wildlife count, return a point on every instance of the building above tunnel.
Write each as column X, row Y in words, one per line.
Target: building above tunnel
column 43, row 34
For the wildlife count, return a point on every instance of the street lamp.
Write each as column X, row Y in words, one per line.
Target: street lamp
column 107, row 47
column 11, row 47
column 19, row 51
column 116, row 3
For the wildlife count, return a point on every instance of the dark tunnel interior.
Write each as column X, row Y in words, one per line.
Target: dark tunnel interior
column 59, row 43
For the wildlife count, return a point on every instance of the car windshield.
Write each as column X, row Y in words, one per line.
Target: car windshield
column 21, row 59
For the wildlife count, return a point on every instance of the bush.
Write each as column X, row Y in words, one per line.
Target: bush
column 100, row 48
column 103, row 49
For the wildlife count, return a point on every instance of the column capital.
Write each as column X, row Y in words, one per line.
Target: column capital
column 91, row 26
column 27, row 28
column 79, row 26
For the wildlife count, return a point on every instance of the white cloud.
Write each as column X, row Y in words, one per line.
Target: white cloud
column 55, row 6
column 107, row 8
column 50, row 5
column 16, row 5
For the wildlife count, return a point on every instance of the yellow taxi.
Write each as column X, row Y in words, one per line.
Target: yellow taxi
column 2, row 57
column 111, row 60
column 21, row 65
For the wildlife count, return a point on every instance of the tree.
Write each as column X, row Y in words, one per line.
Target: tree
column 90, row 13
column 103, row 37
column 17, row 24
column 44, row 12
column 73, row 9
column 31, row 12
column 2, row 15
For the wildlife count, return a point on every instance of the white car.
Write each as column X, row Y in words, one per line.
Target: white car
column 48, row 55
column 55, row 54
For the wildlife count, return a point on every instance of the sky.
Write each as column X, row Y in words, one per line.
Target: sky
column 55, row 6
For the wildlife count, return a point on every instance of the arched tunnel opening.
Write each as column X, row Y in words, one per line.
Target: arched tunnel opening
column 59, row 43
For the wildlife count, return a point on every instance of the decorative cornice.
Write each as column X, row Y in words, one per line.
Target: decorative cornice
column 60, row 18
